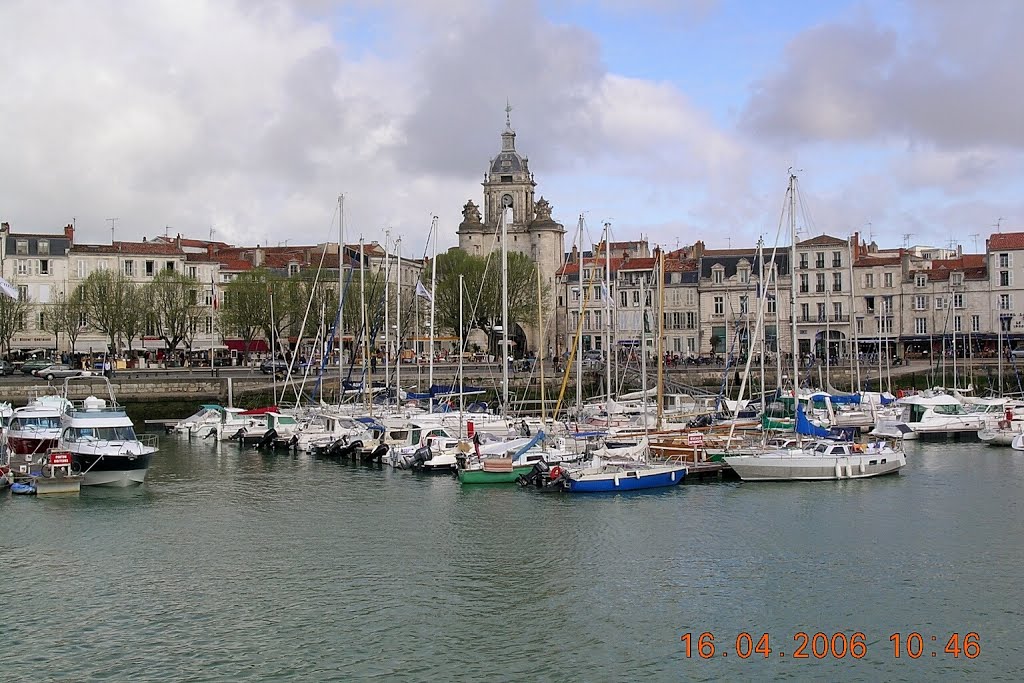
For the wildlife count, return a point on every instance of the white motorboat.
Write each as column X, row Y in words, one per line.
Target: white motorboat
column 929, row 417
column 102, row 441
column 821, row 460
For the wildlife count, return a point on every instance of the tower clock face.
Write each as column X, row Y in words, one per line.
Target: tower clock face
column 506, row 201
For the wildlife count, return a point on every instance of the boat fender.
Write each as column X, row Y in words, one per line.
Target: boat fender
column 555, row 472
column 862, row 468
column 839, row 471
column 616, row 480
column 673, row 475
column 849, row 469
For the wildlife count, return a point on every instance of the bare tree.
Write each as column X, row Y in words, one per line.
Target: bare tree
column 13, row 313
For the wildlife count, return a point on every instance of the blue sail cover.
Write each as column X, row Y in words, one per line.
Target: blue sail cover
column 805, row 427
column 533, row 442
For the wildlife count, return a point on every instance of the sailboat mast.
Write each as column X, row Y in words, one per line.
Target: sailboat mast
column 387, row 305
column 540, row 332
column 793, row 285
column 855, row 352
column 273, row 343
column 367, row 380
column 462, row 344
column 661, row 336
column 579, row 337
column 341, row 297
column 778, row 330
column 763, row 290
column 398, row 327
column 504, row 313
column 608, row 314
column 433, row 287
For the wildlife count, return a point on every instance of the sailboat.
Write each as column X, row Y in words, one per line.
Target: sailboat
column 629, row 469
column 822, row 459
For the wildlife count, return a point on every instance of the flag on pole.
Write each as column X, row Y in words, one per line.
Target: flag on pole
column 604, row 291
column 424, row 292
column 8, row 289
column 213, row 292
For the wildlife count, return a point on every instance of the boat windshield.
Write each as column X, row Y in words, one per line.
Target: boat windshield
column 821, row 448
column 125, row 433
column 35, row 423
column 952, row 409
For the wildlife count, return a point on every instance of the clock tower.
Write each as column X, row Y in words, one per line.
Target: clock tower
column 509, row 184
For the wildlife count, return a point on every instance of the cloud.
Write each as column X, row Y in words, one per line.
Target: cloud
column 948, row 82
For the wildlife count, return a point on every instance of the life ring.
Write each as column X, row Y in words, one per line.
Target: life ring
column 899, row 393
column 555, row 472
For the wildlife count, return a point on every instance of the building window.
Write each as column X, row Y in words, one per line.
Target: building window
column 744, row 274
column 821, row 313
column 717, row 276
column 22, row 266
column 1005, row 278
column 83, row 321
column 82, row 270
column 129, row 268
column 887, row 279
column 887, row 304
column 1004, row 260
column 837, row 282
column 869, row 304
column 192, row 273
column 44, row 266
column 886, row 326
column 23, row 292
column 920, row 325
column 837, row 259
column 819, row 283
column 860, row 325
column 869, row 281
column 957, row 279
column 170, row 266
column 636, row 297
column 958, row 300
column 21, row 247
column 975, row 323
column 920, row 303
column 819, row 259
column 598, row 320
column 837, row 309
column 691, row 320
column 921, row 280
column 719, row 305
column 624, row 299
column 586, row 320
column 41, row 320
column 743, row 304
column 940, row 303
column 803, row 261
column 957, row 327
column 771, row 304
column 150, row 268
column 805, row 312
column 43, row 247
column 1005, row 302
column 805, row 285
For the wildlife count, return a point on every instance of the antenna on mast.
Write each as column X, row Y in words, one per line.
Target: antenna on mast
column 112, row 221
column 999, row 222
column 974, row 236
column 906, row 239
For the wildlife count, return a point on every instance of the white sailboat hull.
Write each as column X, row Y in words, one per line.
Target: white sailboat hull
column 786, row 467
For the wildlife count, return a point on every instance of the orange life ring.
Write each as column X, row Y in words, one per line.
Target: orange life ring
column 555, row 472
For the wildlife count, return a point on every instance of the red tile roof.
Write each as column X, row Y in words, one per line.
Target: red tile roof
column 1006, row 240
column 130, row 249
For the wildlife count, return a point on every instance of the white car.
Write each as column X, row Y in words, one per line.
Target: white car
column 60, row 371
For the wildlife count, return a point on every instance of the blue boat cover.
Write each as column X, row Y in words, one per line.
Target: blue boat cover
column 804, row 426
column 444, row 390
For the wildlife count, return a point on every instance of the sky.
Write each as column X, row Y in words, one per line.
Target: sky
column 673, row 120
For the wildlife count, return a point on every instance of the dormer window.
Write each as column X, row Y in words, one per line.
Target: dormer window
column 43, row 247
column 718, row 275
column 921, row 280
column 293, row 269
column 957, row 279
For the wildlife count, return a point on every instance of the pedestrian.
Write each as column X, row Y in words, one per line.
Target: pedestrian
column 373, row 363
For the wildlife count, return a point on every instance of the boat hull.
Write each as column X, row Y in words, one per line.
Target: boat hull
column 627, row 480
column 58, row 485
column 478, row 476
column 112, row 470
column 815, row 468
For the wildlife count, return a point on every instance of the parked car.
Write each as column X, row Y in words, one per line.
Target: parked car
column 59, row 371
column 1017, row 352
column 6, row 367
column 270, row 367
column 32, row 364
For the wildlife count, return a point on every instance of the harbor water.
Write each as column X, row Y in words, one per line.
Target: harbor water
column 237, row 565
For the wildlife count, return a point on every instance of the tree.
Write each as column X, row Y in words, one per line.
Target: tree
column 12, row 318
column 482, row 286
column 173, row 306
column 65, row 316
column 106, row 295
column 246, row 309
column 133, row 313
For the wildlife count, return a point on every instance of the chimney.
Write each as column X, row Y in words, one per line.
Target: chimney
column 6, row 227
column 209, row 250
column 69, row 232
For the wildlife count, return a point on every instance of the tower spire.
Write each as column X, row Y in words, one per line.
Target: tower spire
column 508, row 115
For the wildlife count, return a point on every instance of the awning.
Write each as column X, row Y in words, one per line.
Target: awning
column 255, row 346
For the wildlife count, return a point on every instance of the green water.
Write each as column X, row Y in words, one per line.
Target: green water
column 233, row 565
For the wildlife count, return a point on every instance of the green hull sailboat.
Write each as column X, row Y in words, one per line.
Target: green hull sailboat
column 493, row 476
